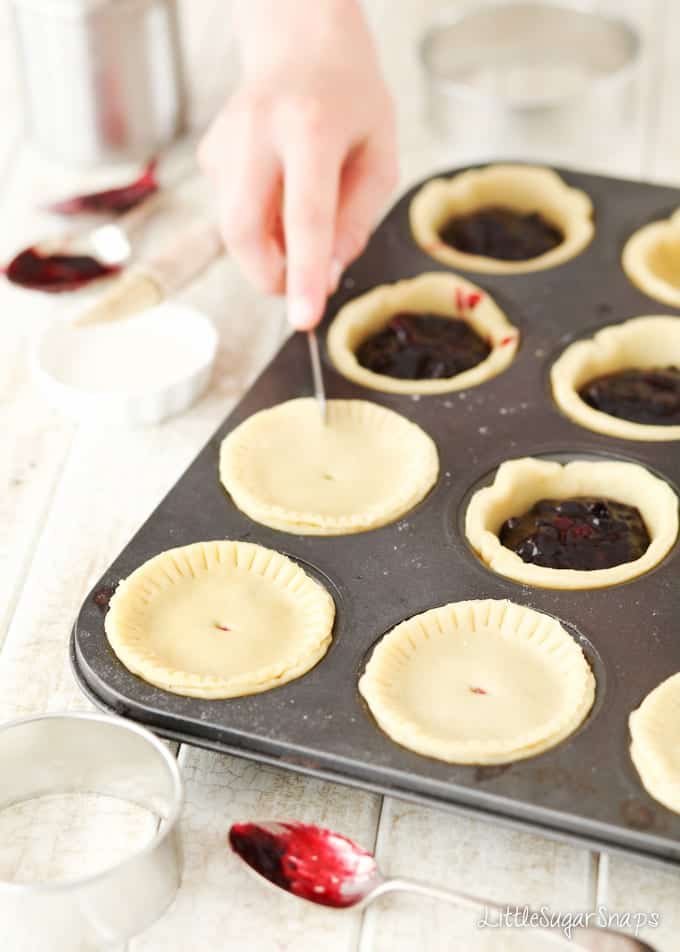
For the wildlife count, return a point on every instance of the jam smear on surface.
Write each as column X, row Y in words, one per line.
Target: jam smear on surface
column 111, row 200
column 103, row 596
column 498, row 232
column 580, row 533
column 649, row 396
column 423, row 347
column 56, row 273
column 305, row 860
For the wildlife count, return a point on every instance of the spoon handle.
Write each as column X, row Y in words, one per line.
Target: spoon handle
column 590, row 938
column 436, row 892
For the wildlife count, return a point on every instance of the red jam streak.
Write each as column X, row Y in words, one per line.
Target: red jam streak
column 103, row 596
column 467, row 300
column 111, row 200
column 222, row 627
column 56, row 273
column 506, row 341
column 478, row 691
column 307, row 861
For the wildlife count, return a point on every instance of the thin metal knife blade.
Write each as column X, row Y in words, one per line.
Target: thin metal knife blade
column 317, row 376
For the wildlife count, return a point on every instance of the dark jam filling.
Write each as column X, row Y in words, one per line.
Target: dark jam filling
column 497, row 232
column 641, row 396
column 423, row 347
column 111, row 200
column 307, row 861
column 54, row 273
column 581, row 533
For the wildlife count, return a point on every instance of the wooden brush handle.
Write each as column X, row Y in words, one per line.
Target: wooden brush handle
column 190, row 254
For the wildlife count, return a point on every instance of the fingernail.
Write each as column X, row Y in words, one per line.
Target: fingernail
column 300, row 313
column 334, row 275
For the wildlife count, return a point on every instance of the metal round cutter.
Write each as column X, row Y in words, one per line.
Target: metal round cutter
column 93, row 754
column 535, row 77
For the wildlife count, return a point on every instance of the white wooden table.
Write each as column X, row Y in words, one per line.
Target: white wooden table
column 72, row 496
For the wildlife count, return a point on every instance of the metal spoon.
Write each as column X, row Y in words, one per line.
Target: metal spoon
column 331, row 870
column 76, row 258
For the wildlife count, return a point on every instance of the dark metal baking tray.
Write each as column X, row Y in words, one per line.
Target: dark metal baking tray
column 586, row 789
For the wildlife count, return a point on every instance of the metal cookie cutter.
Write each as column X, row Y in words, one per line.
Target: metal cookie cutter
column 541, row 77
column 101, row 755
column 103, row 79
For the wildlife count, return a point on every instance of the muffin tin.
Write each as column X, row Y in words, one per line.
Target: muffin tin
column 586, row 789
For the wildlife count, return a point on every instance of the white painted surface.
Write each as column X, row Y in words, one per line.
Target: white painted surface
column 72, row 496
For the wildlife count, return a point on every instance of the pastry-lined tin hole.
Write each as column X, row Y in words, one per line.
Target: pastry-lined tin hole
column 431, row 293
column 663, row 261
column 592, row 655
column 457, row 508
column 639, row 811
column 549, row 357
column 587, row 335
column 650, row 256
column 515, row 187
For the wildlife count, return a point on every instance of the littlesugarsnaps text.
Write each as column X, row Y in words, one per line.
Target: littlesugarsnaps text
column 522, row 917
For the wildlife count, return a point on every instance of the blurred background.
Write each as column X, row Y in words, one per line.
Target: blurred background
column 591, row 85
column 650, row 140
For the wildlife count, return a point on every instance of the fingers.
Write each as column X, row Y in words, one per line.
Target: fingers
column 249, row 186
column 295, row 207
column 248, row 210
column 369, row 177
column 312, row 172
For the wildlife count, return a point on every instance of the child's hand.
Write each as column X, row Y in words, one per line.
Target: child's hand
column 304, row 155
